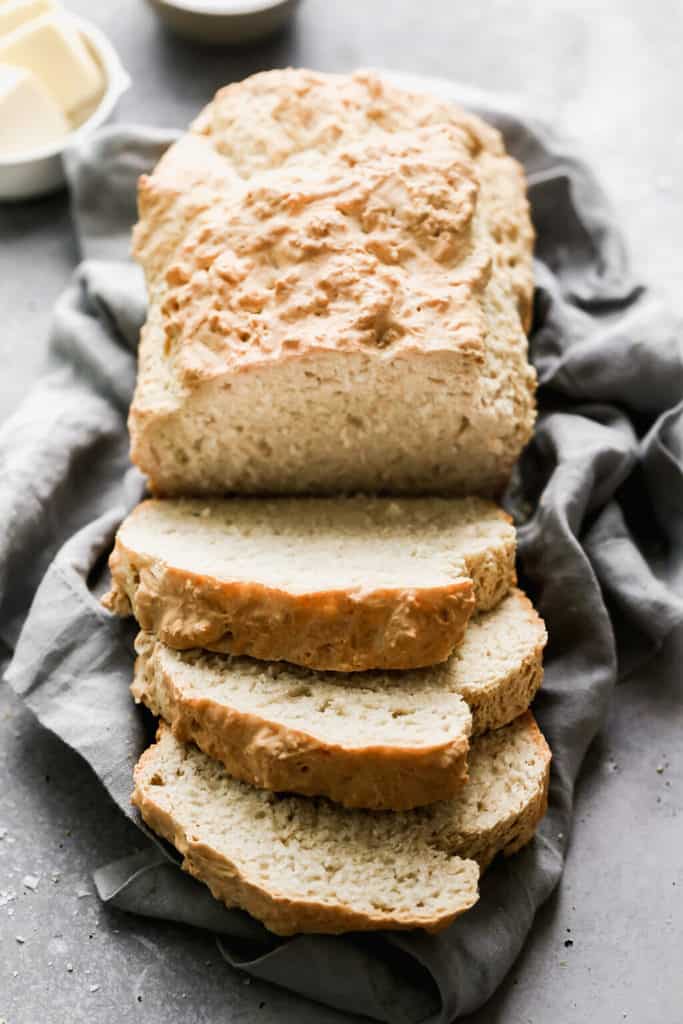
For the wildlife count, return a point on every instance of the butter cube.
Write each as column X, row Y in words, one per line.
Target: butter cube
column 29, row 117
column 14, row 13
column 51, row 47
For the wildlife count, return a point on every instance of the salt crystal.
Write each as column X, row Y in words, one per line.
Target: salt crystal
column 30, row 882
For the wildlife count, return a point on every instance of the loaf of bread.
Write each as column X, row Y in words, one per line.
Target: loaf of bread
column 303, row 864
column 339, row 278
column 379, row 740
column 344, row 584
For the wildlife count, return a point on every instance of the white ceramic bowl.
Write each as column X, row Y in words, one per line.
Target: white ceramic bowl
column 224, row 22
column 39, row 171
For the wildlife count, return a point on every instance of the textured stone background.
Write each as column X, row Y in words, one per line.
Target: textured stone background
column 608, row 947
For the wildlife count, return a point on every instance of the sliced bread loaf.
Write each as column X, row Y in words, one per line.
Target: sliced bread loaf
column 339, row 278
column 301, row 864
column 376, row 740
column 342, row 584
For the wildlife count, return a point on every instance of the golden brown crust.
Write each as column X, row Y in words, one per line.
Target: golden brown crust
column 274, row 756
column 243, row 134
column 330, row 630
column 369, row 275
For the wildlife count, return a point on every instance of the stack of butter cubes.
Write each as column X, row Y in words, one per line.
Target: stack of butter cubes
column 50, row 81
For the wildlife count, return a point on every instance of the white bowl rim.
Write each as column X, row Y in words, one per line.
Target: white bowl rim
column 117, row 81
column 229, row 8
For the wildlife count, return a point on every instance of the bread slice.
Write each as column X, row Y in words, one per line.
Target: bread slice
column 306, row 865
column 377, row 740
column 503, row 801
column 388, row 741
column 499, row 666
column 342, row 584
column 340, row 278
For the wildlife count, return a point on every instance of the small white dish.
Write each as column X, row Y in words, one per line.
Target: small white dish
column 224, row 22
column 40, row 171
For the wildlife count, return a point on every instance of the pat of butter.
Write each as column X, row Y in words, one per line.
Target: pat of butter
column 52, row 48
column 14, row 13
column 29, row 117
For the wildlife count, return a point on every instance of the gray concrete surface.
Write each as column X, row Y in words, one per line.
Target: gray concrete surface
column 609, row 946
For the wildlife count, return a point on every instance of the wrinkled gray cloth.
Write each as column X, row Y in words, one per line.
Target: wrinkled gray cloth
column 598, row 500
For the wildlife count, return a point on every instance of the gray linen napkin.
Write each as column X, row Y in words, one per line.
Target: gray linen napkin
column 598, row 500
